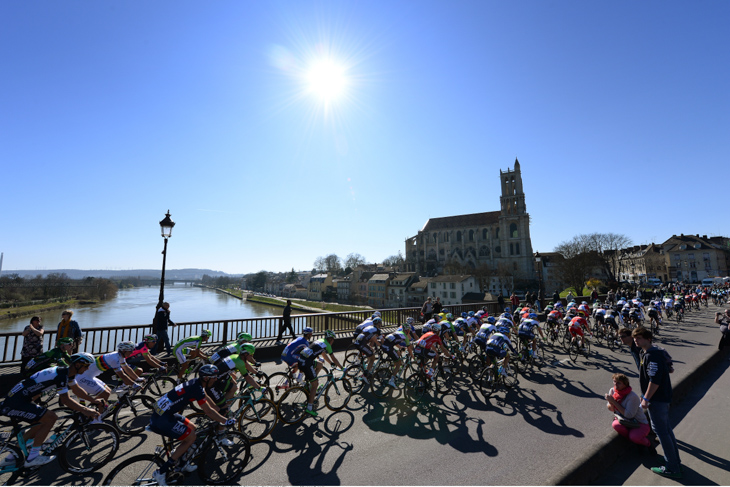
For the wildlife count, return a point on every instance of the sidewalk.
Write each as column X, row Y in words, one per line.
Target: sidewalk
column 701, row 428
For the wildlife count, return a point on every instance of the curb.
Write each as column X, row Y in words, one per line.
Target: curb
column 584, row 470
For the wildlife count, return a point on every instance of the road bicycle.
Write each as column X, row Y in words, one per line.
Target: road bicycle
column 612, row 339
column 418, row 384
column 131, row 412
column 81, row 447
column 381, row 387
column 574, row 350
column 493, row 378
column 336, row 391
column 527, row 358
column 218, row 461
column 157, row 383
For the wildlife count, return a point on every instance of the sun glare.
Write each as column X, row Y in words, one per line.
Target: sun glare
column 326, row 79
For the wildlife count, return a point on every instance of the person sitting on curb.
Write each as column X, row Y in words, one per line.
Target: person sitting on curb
column 629, row 419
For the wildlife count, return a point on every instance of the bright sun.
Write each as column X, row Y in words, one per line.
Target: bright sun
column 327, row 79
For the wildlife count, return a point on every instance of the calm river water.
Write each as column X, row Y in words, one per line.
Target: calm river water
column 137, row 307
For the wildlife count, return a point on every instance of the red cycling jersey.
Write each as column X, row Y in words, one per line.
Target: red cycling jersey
column 428, row 340
column 577, row 324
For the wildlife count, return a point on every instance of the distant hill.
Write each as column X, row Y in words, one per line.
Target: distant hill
column 144, row 273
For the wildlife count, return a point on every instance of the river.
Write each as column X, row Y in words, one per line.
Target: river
column 136, row 306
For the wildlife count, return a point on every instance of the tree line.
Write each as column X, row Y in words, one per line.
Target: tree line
column 14, row 289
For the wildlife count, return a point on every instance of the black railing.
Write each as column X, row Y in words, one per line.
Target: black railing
column 104, row 339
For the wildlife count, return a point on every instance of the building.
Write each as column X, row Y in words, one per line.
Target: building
column 378, row 290
column 692, row 258
column 318, row 285
column 397, row 289
column 451, row 289
column 499, row 240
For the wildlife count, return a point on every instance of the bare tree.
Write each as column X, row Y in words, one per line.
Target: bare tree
column 607, row 246
column 353, row 260
column 332, row 264
column 580, row 260
column 394, row 260
column 319, row 264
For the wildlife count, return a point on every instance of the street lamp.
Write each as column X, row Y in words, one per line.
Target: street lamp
column 166, row 227
column 538, row 261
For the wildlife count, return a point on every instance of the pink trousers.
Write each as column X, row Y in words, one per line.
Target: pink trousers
column 636, row 435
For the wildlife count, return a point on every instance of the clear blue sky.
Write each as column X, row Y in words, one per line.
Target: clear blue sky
column 113, row 112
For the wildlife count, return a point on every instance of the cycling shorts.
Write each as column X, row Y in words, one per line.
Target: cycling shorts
column 494, row 351
column 290, row 358
column 481, row 343
column 22, row 410
column 652, row 313
column 610, row 320
column 365, row 349
column 91, row 385
column 576, row 330
column 308, row 367
column 174, row 426
column 181, row 354
column 526, row 336
column 390, row 351
column 601, row 318
column 424, row 353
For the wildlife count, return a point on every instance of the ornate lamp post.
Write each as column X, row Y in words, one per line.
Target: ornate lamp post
column 166, row 226
column 538, row 261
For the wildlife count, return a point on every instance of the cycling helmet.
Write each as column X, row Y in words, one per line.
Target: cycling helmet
column 150, row 338
column 208, row 370
column 450, row 317
column 484, row 308
column 65, row 341
column 205, row 334
column 491, row 320
column 559, row 304
column 583, row 302
column 507, row 309
column 307, row 330
column 426, row 328
column 329, row 334
column 437, row 318
column 581, row 313
column 248, row 348
column 243, row 337
column 410, row 321
column 82, row 358
column 470, row 314
column 436, row 328
column 503, row 329
column 377, row 320
column 125, row 346
column 377, row 313
column 464, row 315
column 532, row 316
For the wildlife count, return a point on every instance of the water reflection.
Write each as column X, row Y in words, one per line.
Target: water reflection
column 137, row 307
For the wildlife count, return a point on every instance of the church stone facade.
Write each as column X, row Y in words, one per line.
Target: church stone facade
column 497, row 239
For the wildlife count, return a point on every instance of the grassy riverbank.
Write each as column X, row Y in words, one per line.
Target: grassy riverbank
column 33, row 309
column 303, row 305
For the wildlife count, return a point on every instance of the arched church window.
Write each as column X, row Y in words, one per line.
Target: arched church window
column 513, row 233
column 458, row 236
column 471, row 235
column 496, row 234
column 485, row 234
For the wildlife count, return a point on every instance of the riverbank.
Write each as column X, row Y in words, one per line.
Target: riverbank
column 35, row 309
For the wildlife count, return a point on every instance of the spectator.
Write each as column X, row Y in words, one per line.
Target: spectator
column 32, row 342
column 500, row 302
column 538, row 301
column 723, row 321
column 159, row 327
column 556, row 296
column 611, row 296
column 594, row 295
column 529, row 299
column 427, row 310
column 629, row 419
column 624, row 335
column 570, row 297
column 657, row 387
column 514, row 300
column 285, row 323
column 69, row 328
column 437, row 306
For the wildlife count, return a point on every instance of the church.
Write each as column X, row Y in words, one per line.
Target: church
column 498, row 239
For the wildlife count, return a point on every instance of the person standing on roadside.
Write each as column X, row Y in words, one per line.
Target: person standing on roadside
column 437, row 306
column 32, row 342
column 286, row 323
column 656, row 397
column 159, row 327
column 427, row 310
column 69, row 328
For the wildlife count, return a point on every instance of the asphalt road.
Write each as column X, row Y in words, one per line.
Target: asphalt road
column 520, row 437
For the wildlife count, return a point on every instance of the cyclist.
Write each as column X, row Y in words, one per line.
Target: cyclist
column 55, row 356
column 19, row 404
column 655, row 315
column 226, row 386
column 576, row 327
column 397, row 339
column 167, row 421
column 473, row 321
column 448, row 330
column 188, row 349
column 144, row 348
column 425, row 347
column 612, row 318
column 497, row 346
column 409, row 328
column 89, row 380
column 366, row 341
column 526, row 331
column 359, row 328
column 234, row 347
column 290, row 355
column 308, row 356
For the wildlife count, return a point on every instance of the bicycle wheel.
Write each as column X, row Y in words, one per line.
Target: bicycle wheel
column 486, row 382
column 586, row 348
column 538, row 358
column 611, row 339
column 135, row 471
column 292, row 405
column 476, row 366
column 573, row 351
column 337, row 394
column 159, row 387
column 353, row 363
column 219, row 463
column 9, row 473
column 444, row 381
column 132, row 417
column 416, row 387
column 279, row 382
column 257, row 420
column 380, row 387
column 89, row 449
